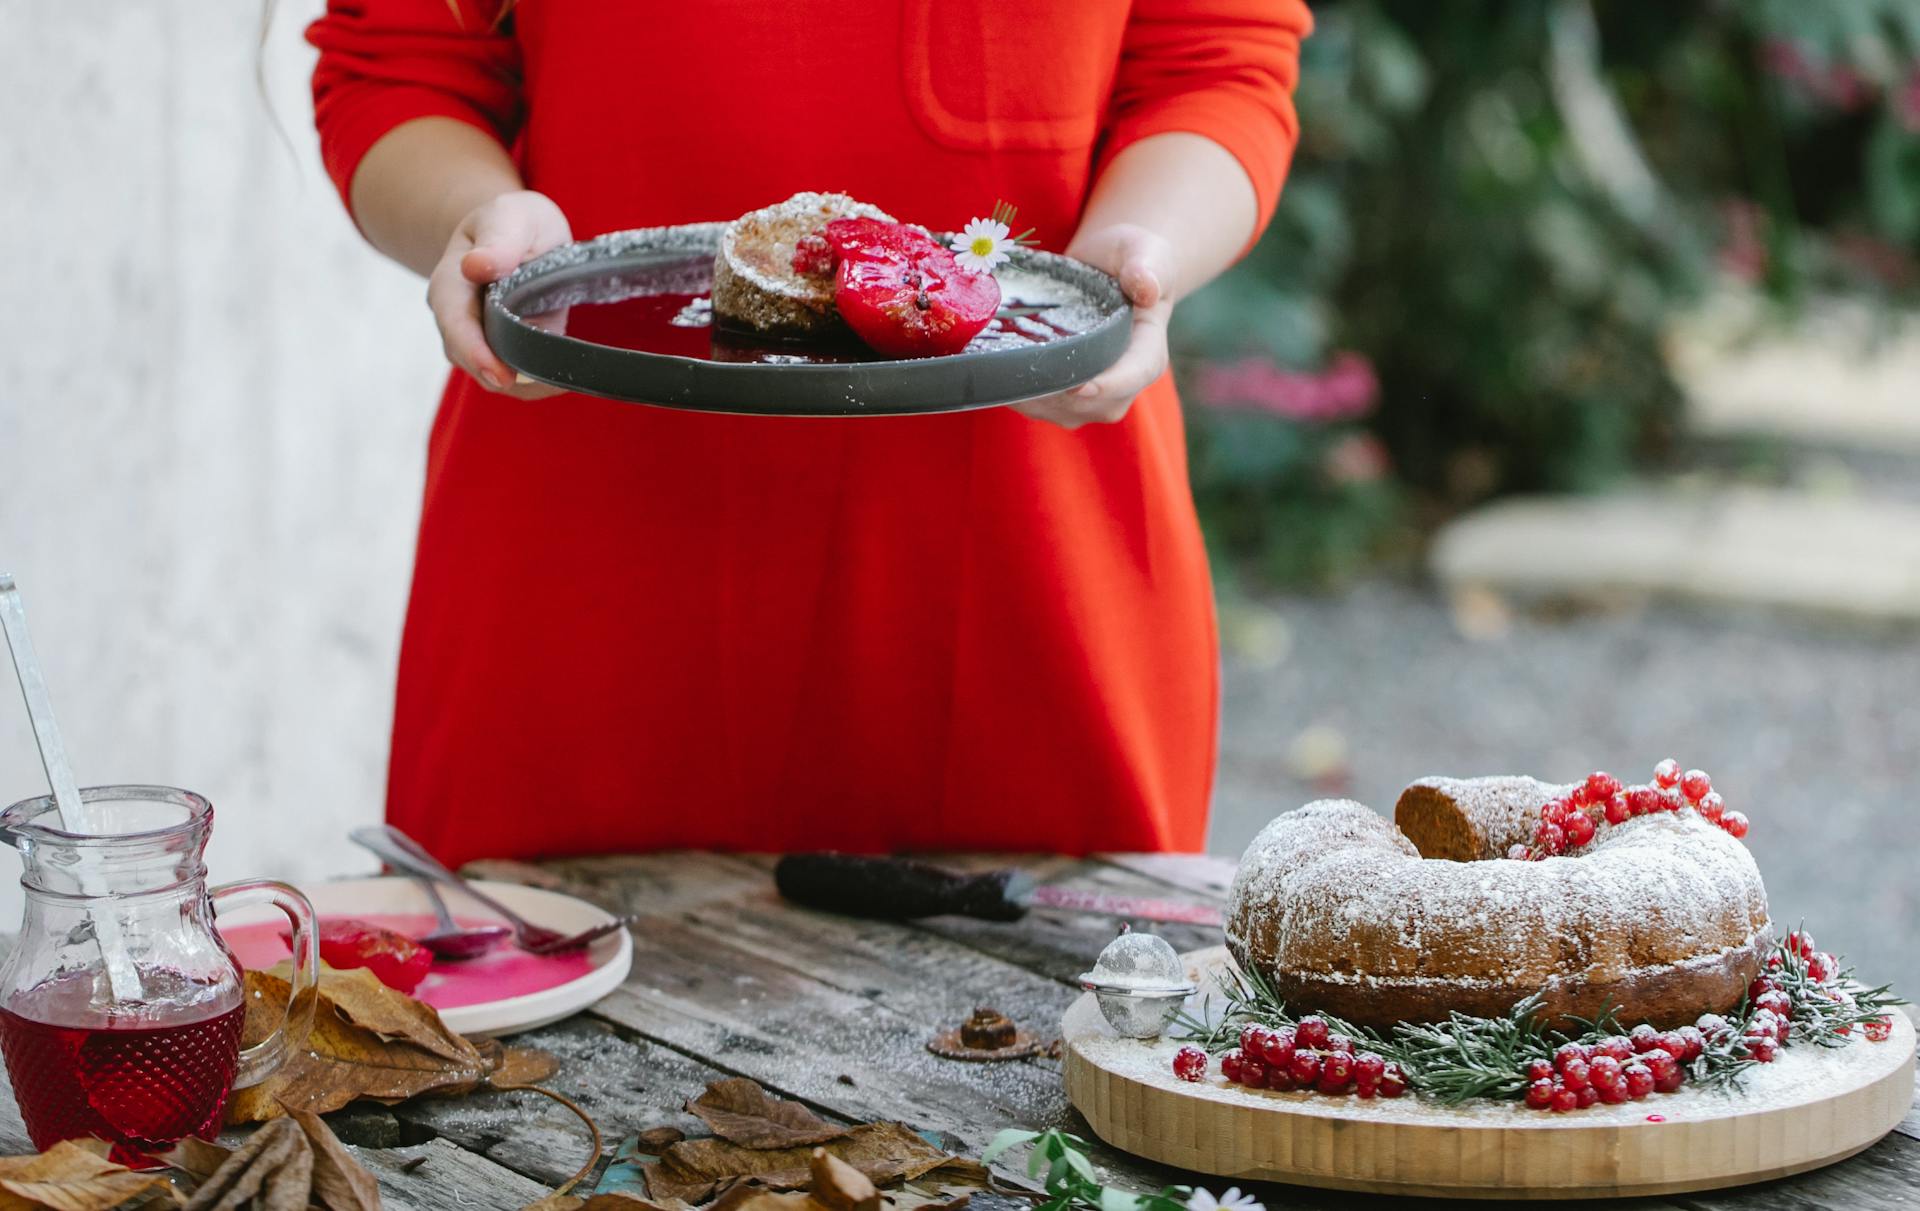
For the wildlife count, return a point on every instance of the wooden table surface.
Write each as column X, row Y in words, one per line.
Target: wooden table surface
column 728, row 980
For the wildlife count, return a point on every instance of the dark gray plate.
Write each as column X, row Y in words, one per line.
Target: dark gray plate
column 619, row 316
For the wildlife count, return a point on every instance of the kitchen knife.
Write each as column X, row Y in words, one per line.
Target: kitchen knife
column 900, row 889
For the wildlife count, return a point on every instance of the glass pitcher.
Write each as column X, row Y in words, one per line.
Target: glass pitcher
column 141, row 1072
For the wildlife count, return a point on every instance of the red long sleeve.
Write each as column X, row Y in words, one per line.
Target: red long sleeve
column 384, row 62
column 1225, row 69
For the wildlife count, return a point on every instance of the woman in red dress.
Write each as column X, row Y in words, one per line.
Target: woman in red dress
column 634, row 628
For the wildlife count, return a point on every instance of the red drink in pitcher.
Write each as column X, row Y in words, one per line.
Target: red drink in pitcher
column 145, row 1087
column 149, row 1056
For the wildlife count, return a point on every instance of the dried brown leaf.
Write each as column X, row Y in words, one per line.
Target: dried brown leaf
column 368, row 1041
column 273, row 1166
column 840, row 1186
column 741, row 1112
column 340, row 1183
column 655, row 1140
column 745, row 1197
column 196, row 1158
column 515, row 1065
column 72, row 1177
column 884, row 1152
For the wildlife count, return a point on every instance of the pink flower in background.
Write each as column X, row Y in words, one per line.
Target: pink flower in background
column 1906, row 103
column 1345, row 390
column 1358, row 458
column 1834, row 84
column 1743, row 246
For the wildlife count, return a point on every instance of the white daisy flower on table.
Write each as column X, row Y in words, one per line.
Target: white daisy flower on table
column 1232, row 1200
column 982, row 245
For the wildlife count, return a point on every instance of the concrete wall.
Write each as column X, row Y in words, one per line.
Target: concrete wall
column 213, row 407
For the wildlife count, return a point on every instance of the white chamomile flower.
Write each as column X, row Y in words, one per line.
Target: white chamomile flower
column 982, row 245
column 1232, row 1200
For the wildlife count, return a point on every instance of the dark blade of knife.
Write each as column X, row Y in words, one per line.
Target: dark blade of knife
column 900, row 889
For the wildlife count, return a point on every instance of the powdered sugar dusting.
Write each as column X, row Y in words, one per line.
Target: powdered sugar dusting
column 1802, row 1074
column 1339, row 893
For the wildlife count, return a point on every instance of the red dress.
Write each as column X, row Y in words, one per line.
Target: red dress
column 633, row 628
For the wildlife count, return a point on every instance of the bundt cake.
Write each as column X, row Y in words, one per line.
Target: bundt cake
column 1662, row 917
column 756, row 282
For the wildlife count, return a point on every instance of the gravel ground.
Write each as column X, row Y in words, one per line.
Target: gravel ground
column 1811, row 728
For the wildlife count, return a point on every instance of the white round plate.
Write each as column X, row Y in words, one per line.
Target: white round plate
column 608, row 958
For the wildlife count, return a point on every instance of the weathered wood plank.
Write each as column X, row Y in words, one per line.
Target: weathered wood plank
column 626, row 1084
column 440, row 1176
column 1886, row 1175
column 1061, row 945
column 1203, row 876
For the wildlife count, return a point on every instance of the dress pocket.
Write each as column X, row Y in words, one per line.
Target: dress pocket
column 988, row 74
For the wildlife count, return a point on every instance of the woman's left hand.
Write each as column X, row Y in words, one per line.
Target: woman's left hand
column 1144, row 263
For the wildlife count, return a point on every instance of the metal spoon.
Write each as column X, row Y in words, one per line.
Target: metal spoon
column 402, row 852
column 69, row 806
column 452, row 940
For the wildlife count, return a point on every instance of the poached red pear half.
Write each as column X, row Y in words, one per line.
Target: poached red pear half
column 901, row 292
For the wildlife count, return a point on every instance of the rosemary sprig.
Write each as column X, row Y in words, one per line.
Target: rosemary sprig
column 1467, row 1057
column 1059, row 1161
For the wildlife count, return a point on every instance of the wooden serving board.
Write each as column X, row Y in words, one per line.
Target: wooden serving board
column 1810, row 1108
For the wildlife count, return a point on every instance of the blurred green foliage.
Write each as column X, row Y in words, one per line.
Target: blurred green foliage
column 1497, row 208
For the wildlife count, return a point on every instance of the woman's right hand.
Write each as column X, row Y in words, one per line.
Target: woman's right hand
column 488, row 244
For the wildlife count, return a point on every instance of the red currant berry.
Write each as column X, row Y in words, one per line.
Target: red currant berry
column 1393, row 1082
column 1519, row 853
column 1585, row 1097
column 1369, row 1066
column 1365, row 1089
column 1539, row 1070
column 1619, row 1046
column 1639, row 1080
column 1695, row 1040
column 1669, row 1080
column 1566, row 1053
column 1230, row 1065
column 1667, row 773
column 1800, row 942
column 1765, row 1023
column 1601, row 786
column 1674, row 1044
column 1614, row 1094
column 1281, row 1079
column 1644, row 801
column 1311, row 1032
column 1579, row 830
column 1548, row 839
column 1336, row 1072
column 1660, row 1060
column 1253, row 1073
column 1776, row 1001
column 1879, row 1029
column 1602, row 1071
column 1556, row 811
column 1190, row 1063
column 1619, row 807
column 1822, row 967
column 1574, row 1074
column 1761, row 986
column 1305, row 1067
column 1251, row 1037
column 1695, row 784
column 1712, row 806
column 1564, row 1099
column 1339, row 1042
column 1762, row 1048
column 1578, row 795
column 1735, row 823
column 1644, row 1038
column 1540, row 1094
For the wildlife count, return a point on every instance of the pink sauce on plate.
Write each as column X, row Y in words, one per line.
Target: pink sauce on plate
column 506, row 971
